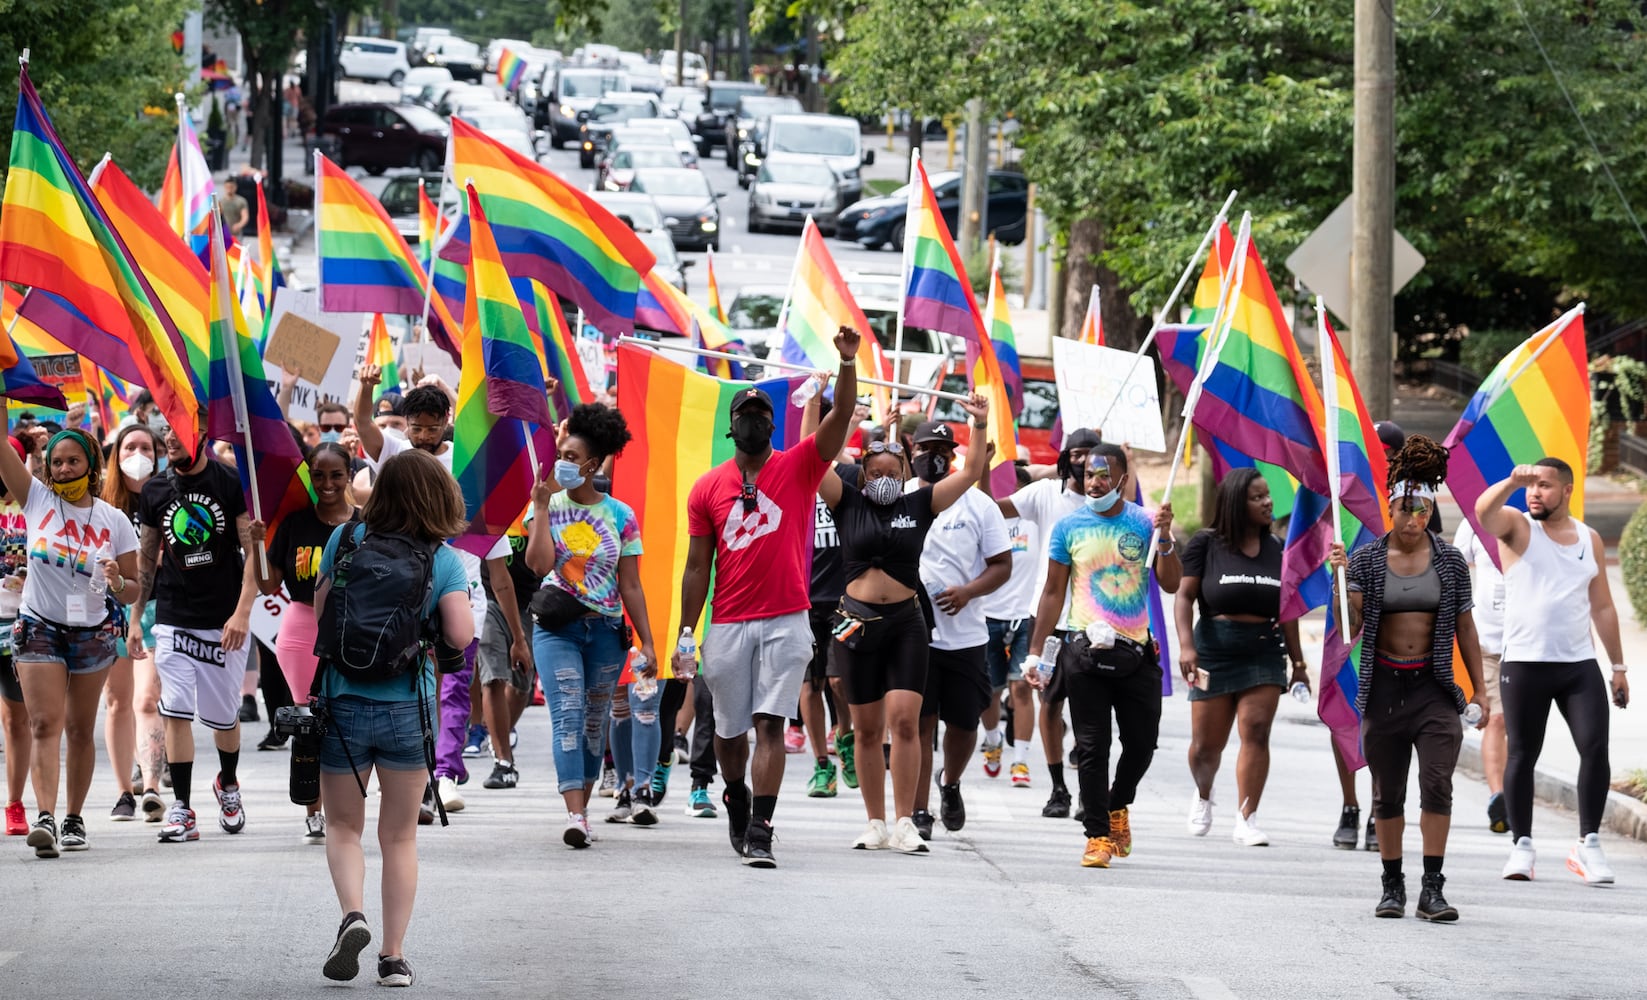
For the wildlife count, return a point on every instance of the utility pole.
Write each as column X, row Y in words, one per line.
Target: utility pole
column 1372, row 292
column 680, row 47
column 975, row 180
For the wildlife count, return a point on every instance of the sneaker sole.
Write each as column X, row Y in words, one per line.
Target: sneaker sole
column 395, row 980
column 1519, row 877
column 647, row 818
column 1094, row 864
column 702, row 813
column 575, row 838
column 762, row 863
column 70, row 848
column 1388, row 914
column 182, row 838
column 123, row 817
column 1446, row 916
column 343, row 964
column 618, row 817
column 319, row 841
column 1344, row 845
column 1572, row 866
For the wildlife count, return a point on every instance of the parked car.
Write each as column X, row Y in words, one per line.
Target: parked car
column 690, row 207
column 670, row 266
column 540, row 67
column 753, row 316
column 473, row 97
column 643, row 76
column 1034, row 424
column 373, row 59
column 381, row 136
column 787, row 189
column 879, row 221
column 459, row 55
column 609, row 111
column 507, row 124
column 574, row 92
column 834, row 137
column 399, row 199
column 617, row 170
column 424, row 85
column 422, row 38
column 751, row 108
column 638, row 211
column 684, row 102
column 720, row 100
column 671, row 130
column 598, row 56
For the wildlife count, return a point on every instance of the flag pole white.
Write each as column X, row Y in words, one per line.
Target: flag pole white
column 908, row 256
column 786, row 366
column 789, row 289
column 1329, row 399
column 237, row 384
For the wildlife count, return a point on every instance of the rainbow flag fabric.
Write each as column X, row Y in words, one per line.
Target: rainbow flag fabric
column 511, row 69
column 514, row 364
column 380, row 351
column 56, row 237
column 819, row 305
column 267, row 268
column 666, row 309
column 1092, row 325
column 679, row 422
column 557, row 354
column 715, row 309
column 1006, row 343
column 431, row 226
column 550, row 231
column 186, row 191
column 1534, row 404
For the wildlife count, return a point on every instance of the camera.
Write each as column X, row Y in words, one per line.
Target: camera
column 306, row 729
column 448, row 658
column 297, row 720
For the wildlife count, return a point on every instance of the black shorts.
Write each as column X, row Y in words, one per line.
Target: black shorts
column 1407, row 711
column 822, row 619
column 888, row 653
column 11, row 688
column 957, row 687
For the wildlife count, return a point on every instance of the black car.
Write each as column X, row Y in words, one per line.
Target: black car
column 720, row 99
column 399, row 199
column 381, row 136
column 751, row 108
column 879, row 221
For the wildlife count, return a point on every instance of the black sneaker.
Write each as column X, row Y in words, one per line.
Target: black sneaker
column 1349, row 828
column 74, row 833
column 272, row 741
column 1057, row 806
column 502, row 776
column 343, row 964
column 683, row 750
column 125, row 808
column 1394, row 901
column 393, row 972
column 950, row 806
column 248, row 708
column 43, row 838
column 1431, row 904
column 154, row 808
column 757, row 848
column 1498, row 816
column 923, row 823
column 737, row 816
column 1371, row 843
column 166, row 774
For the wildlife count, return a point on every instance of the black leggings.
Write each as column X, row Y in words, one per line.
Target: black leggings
column 1577, row 690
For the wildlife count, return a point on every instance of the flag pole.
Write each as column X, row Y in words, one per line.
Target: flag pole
column 237, row 384
column 1329, row 398
column 903, row 290
column 1554, row 331
column 787, row 366
column 1217, row 333
column 1172, row 300
column 789, row 289
column 429, row 279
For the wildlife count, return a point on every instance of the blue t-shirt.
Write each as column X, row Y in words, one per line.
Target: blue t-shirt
column 449, row 578
column 1107, row 579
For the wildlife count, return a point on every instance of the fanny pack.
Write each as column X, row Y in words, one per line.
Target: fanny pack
column 554, row 608
column 851, row 628
column 1121, row 660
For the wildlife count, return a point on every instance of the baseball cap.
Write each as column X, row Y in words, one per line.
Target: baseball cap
column 1390, row 434
column 393, row 404
column 934, row 430
column 747, row 396
column 1081, row 437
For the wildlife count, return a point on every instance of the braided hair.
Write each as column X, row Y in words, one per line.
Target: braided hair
column 1419, row 462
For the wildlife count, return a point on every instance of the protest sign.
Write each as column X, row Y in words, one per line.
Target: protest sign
column 1090, row 378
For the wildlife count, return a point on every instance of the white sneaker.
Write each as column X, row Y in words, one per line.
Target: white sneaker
column 1200, row 815
column 1589, row 863
column 1247, row 833
column 906, row 838
column 450, row 795
column 1520, row 866
column 314, row 829
column 577, row 832
column 608, row 788
column 875, row 838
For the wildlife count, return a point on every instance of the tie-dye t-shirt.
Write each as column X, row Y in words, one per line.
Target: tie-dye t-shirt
column 1106, row 577
column 589, row 541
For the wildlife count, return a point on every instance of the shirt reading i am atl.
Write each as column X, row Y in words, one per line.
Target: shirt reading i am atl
column 63, row 542
column 198, row 582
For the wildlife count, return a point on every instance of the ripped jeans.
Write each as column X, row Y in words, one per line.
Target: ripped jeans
column 637, row 736
column 578, row 665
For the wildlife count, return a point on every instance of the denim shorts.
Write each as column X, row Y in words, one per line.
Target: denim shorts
column 388, row 734
column 1006, row 650
column 82, row 650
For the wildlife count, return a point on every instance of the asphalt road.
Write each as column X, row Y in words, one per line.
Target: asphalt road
column 1001, row 908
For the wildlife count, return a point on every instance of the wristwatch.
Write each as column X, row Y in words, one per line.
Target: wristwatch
column 1619, row 668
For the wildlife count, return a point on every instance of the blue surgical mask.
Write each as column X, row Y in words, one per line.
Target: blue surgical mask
column 567, row 474
column 1103, row 504
column 330, row 437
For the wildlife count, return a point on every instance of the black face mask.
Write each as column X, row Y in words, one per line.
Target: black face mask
column 931, row 467
column 751, row 433
column 1070, row 472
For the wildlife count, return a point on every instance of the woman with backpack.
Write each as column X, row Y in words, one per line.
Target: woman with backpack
column 294, row 562
column 376, row 714
column 587, row 545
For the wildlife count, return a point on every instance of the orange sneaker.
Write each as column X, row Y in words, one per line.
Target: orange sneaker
column 1099, row 851
column 1120, row 831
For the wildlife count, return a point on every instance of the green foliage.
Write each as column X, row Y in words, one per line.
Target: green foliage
column 1632, row 559
column 98, row 64
column 1482, row 350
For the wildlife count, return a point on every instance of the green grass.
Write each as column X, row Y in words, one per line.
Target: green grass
column 1186, row 501
column 1634, row 783
column 883, row 185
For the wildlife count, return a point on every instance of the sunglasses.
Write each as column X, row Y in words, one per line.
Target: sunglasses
column 340, row 428
column 748, row 498
column 889, row 447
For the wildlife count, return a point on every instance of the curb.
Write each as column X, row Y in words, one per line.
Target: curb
column 1623, row 815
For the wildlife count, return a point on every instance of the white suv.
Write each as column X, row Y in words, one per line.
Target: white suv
column 374, row 59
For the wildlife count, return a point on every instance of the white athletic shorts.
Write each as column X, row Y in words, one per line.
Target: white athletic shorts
column 756, row 668
column 198, row 678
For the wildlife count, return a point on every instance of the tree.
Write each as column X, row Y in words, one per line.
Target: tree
column 98, row 66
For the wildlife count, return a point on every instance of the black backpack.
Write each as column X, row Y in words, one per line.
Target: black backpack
column 373, row 626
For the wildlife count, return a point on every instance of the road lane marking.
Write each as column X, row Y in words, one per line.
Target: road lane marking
column 1207, row 988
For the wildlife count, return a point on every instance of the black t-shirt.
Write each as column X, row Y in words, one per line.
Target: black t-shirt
column 1232, row 583
column 296, row 548
column 888, row 538
column 526, row 582
column 828, row 572
column 198, row 582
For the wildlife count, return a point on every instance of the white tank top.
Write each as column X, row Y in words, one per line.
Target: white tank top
column 1547, row 599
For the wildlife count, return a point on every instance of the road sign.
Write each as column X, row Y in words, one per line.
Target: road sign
column 1322, row 261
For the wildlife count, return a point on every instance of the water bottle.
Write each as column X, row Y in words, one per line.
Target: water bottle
column 1472, row 715
column 98, row 584
column 687, row 649
column 1049, row 655
column 1300, row 692
column 642, row 687
column 805, row 391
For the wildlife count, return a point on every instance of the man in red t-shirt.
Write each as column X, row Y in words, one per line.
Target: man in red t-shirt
column 750, row 521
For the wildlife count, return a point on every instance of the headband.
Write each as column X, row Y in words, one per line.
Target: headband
column 78, row 437
column 1410, row 490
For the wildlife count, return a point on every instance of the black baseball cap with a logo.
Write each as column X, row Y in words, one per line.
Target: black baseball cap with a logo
column 745, row 397
column 934, row 430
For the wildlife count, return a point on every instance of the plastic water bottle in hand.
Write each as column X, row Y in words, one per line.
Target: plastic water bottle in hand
column 1049, row 656
column 687, row 649
column 805, row 391
column 99, row 584
column 1472, row 715
column 1300, row 692
column 642, row 686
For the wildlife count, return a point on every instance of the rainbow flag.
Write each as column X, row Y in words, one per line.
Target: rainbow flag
column 557, row 354
column 243, row 269
column 666, row 309
column 1092, row 325
column 1534, row 404
column 511, row 68
column 30, row 337
column 514, row 362
column 715, row 309
column 55, row 236
column 431, row 226
column 240, row 408
column 550, row 231
column 267, row 268
column 489, row 455
column 1006, row 343
column 380, row 351
column 819, row 305
column 938, row 296
column 186, row 191
column 680, row 432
